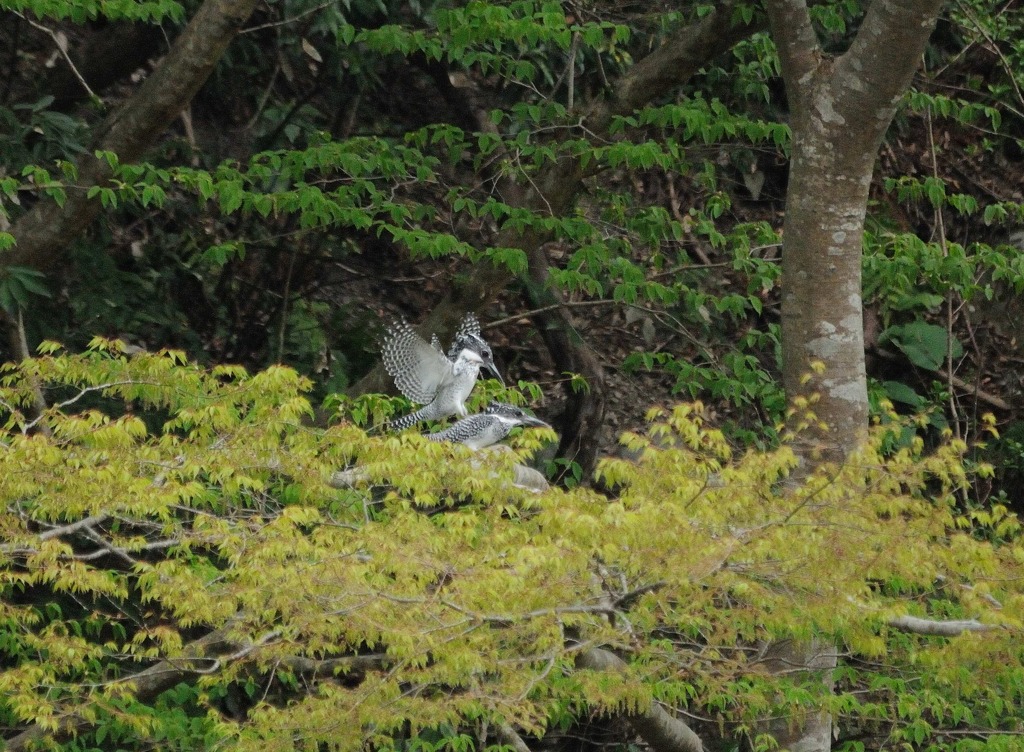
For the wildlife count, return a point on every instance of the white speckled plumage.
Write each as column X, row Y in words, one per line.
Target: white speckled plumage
column 487, row 428
column 424, row 374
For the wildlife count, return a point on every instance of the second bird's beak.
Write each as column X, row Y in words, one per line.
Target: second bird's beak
column 529, row 420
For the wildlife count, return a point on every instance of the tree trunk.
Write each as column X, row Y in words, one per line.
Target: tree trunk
column 840, row 110
column 579, row 425
column 822, row 313
column 811, row 731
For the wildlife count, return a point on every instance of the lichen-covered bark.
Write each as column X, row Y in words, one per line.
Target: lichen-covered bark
column 840, row 110
column 43, row 235
column 821, row 296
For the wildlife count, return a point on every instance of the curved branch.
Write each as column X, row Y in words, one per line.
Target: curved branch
column 662, row 731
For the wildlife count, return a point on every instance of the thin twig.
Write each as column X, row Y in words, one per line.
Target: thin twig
column 286, row 21
column 545, row 309
column 1007, row 67
column 264, row 97
column 570, row 86
column 941, row 228
column 38, row 400
column 62, row 47
column 106, row 547
column 396, row 280
column 284, row 306
column 502, row 619
column 72, row 400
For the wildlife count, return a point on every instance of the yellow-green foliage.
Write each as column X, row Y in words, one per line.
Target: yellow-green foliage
column 156, row 502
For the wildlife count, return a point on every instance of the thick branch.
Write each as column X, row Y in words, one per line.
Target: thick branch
column 508, row 736
column 662, row 731
column 881, row 61
column 796, row 42
column 44, row 233
column 677, row 60
column 917, row 625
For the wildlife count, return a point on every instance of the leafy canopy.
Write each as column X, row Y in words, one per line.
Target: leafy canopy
column 157, row 503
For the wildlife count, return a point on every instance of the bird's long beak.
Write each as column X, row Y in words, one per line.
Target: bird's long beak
column 529, row 420
column 489, row 365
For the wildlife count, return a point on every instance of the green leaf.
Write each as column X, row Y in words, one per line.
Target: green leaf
column 897, row 391
column 924, row 344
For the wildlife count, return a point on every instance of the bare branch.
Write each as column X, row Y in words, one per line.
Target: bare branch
column 508, row 736
column 72, row 400
column 917, row 625
column 56, row 532
column 108, row 548
column 289, row 20
column 507, row 619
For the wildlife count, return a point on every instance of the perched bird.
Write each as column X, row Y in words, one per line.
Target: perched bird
column 424, row 374
column 486, row 428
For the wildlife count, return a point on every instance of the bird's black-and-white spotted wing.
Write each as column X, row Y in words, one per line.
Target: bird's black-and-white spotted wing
column 468, row 430
column 416, row 366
